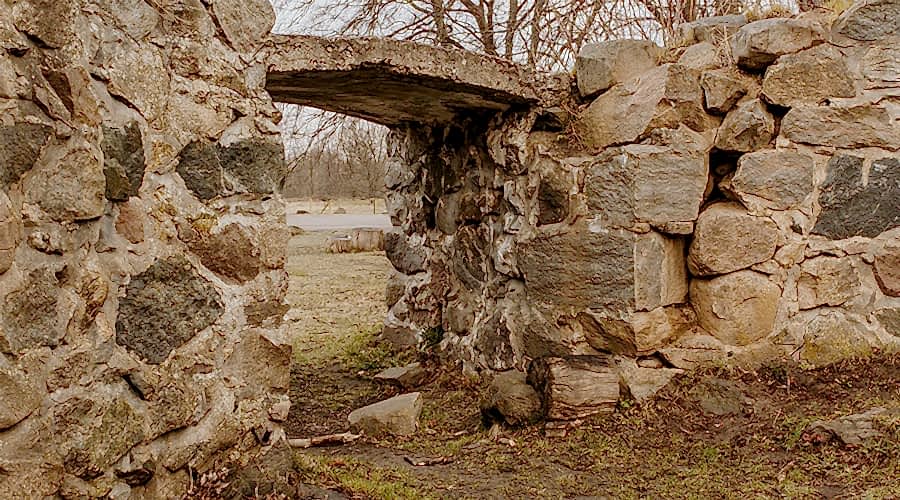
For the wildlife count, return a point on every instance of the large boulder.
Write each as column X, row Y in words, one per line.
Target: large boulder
column 397, row 416
column 606, row 270
column 656, row 183
column 841, row 126
column 575, row 387
column 748, row 127
column 852, row 207
column 774, row 179
column 758, row 44
column 737, row 308
column 599, row 66
column 664, row 97
column 727, row 238
column 812, row 76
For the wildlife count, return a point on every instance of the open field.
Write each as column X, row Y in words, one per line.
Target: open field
column 669, row 448
column 351, row 206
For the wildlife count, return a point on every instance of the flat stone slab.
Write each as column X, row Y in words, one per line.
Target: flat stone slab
column 392, row 81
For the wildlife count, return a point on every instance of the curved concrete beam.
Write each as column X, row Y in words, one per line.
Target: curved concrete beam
column 392, row 82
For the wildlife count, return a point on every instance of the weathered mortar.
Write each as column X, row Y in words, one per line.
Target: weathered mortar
column 141, row 245
column 703, row 211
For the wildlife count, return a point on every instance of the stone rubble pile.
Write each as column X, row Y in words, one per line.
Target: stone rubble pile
column 141, row 248
column 738, row 204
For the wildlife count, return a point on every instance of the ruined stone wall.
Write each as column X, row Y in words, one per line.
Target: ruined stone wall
column 141, row 247
column 732, row 200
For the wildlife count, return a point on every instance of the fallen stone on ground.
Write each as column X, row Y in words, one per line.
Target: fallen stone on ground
column 719, row 397
column 640, row 382
column 575, row 387
column 509, row 398
column 406, row 377
column 851, row 430
column 397, row 416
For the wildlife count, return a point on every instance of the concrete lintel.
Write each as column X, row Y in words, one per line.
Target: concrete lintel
column 393, row 82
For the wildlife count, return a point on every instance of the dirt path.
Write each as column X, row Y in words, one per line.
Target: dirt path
column 669, row 448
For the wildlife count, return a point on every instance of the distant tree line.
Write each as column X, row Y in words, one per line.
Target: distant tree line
column 345, row 158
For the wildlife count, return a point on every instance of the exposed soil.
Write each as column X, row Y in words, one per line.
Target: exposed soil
column 672, row 447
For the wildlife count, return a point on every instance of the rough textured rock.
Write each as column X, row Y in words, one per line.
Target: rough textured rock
column 832, row 337
column 164, row 307
column 748, row 127
column 18, row 397
column 657, row 184
column 759, row 43
column 98, row 100
column 599, row 66
column 33, row 315
column 69, row 183
column 233, row 250
column 245, row 23
column 812, row 76
column 404, row 254
column 827, row 281
column 869, row 21
column 737, row 308
column 664, row 97
column 728, row 239
column 612, row 270
column 852, row 207
column 510, row 399
column 397, row 416
column 841, row 127
column 247, row 166
column 20, row 146
column 774, row 179
column 574, row 387
column 887, row 267
column 9, row 233
column 407, row 377
column 722, row 89
column 123, row 161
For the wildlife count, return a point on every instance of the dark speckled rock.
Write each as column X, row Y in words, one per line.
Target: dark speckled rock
column 123, row 161
column 164, row 307
column 252, row 166
column 20, row 146
column 850, row 208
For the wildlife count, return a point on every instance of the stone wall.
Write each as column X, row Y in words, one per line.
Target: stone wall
column 141, row 245
column 735, row 199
